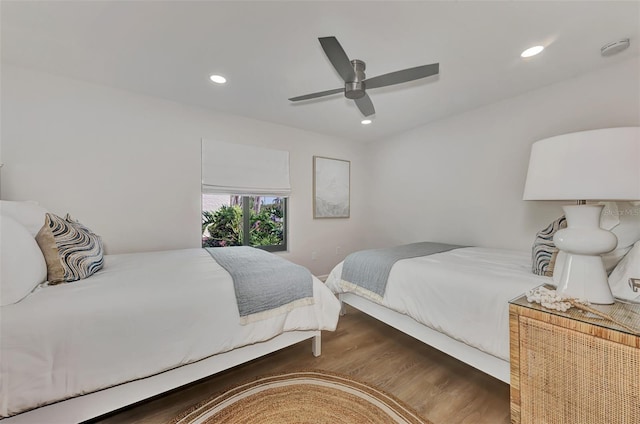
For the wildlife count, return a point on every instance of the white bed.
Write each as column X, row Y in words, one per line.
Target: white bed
column 154, row 321
column 456, row 301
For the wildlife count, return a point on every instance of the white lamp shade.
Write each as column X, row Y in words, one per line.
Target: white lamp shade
column 601, row 164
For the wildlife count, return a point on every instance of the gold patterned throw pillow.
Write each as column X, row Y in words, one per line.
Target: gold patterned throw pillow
column 71, row 250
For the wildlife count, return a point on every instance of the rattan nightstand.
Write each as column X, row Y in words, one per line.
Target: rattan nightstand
column 574, row 367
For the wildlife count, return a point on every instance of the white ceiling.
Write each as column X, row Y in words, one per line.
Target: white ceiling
column 269, row 52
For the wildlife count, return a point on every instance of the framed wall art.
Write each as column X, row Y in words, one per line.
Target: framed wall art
column 331, row 187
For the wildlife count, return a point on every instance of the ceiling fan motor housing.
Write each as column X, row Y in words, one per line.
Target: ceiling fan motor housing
column 355, row 89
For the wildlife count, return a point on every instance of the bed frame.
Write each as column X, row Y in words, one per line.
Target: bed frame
column 98, row 403
column 486, row 363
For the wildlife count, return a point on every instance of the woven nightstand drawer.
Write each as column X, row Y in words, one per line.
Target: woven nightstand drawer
column 566, row 370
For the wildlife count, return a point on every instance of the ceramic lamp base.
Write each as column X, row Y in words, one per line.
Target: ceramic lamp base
column 584, row 275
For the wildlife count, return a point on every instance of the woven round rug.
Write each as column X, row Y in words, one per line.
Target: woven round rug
column 315, row 397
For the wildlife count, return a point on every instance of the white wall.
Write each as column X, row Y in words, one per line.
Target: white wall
column 461, row 179
column 128, row 165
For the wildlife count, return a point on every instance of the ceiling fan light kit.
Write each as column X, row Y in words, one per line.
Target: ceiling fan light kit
column 355, row 80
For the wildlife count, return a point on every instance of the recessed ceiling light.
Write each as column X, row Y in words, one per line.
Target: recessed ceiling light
column 532, row 51
column 218, row 79
column 366, row 121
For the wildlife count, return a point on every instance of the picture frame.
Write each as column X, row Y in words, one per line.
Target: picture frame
column 331, row 188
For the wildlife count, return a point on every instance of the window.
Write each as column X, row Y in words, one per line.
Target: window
column 234, row 220
column 254, row 213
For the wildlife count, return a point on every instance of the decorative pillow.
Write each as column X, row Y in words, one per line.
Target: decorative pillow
column 544, row 250
column 29, row 214
column 71, row 250
column 629, row 267
column 626, row 228
column 23, row 266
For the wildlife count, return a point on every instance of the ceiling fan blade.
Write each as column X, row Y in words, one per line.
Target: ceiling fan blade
column 338, row 58
column 318, row 94
column 404, row 75
column 365, row 105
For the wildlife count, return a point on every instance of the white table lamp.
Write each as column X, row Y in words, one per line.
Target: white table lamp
column 597, row 165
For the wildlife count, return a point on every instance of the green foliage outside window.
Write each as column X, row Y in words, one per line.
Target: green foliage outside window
column 225, row 225
column 267, row 226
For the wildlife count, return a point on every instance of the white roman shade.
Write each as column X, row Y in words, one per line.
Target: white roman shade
column 241, row 169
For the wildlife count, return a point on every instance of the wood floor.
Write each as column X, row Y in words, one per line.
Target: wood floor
column 439, row 387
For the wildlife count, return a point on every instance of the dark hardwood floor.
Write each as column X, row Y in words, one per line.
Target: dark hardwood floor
column 442, row 389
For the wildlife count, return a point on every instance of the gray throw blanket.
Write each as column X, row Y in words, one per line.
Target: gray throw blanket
column 367, row 271
column 265, row 284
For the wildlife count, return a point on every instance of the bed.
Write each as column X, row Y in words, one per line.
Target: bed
column 455, row 301
column 144, row 324
column 456, row 298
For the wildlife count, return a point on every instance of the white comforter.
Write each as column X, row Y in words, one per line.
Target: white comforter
column 463, row 293
column 142, row 314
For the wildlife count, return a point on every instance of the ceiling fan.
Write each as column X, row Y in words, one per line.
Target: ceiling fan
column 355, row 81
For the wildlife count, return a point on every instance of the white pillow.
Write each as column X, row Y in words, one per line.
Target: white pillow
column 29, row 214
column 23, row 265
column 627, row 231
column 629, row 267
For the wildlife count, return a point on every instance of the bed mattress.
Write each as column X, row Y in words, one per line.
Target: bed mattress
column 144, row 313
column 463, row 293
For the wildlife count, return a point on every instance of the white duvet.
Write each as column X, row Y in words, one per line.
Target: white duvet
column 463, row 293
column 142, row 314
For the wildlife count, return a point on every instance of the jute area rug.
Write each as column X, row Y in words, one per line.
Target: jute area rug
column 302, row 397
